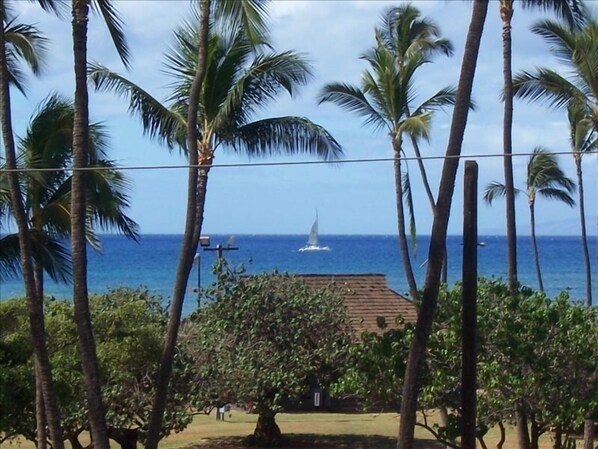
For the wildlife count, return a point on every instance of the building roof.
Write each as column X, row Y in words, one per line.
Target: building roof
column 367, row 297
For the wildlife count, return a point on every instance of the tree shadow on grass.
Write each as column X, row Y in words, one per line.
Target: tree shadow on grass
column 313, row 441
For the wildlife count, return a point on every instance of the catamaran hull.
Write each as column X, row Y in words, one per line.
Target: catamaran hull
column 314, row 249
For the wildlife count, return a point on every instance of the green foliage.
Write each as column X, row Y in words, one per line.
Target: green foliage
column 128, row 328
column 265, row 339
column 534, row 353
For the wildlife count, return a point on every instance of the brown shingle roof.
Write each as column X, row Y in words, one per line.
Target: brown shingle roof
column 367, row 297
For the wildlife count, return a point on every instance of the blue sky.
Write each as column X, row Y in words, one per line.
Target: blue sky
column 350, row 198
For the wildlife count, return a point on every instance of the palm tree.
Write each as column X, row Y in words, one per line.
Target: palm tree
column 80, row 16
column 48, row 144
column 544, row 178
column 578, row 51
column 237, row 82
column 571, row 11
column 403, row 31
column 385, row 96
column 439, row 227
column 23, row 43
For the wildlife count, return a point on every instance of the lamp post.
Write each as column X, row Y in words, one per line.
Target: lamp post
column 204, row 241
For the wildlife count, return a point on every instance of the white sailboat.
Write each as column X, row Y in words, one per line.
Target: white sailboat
column 312, row 241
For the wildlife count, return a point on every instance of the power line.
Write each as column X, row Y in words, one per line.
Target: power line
column 270, row 164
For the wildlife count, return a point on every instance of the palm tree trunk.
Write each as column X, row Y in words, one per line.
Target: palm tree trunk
column 34, row 302
column 403, row 244
column 190, row 237
column 40, row 411
column 532, row 215
column 439, row 227
column 506, row 12
column 584, row 238
column 87, row 348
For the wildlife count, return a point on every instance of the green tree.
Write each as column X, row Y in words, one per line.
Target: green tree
column 544, row 178
column 266, row 339
column 238, row 82
column 129, row 329
column 439, row 227
column 24, row 44
column 385, row 98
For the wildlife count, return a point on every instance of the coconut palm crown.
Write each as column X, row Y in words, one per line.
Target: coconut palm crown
column 577, row 50
column 239, row 83
column 544, row 178
column 385, row 97
column 47, row 144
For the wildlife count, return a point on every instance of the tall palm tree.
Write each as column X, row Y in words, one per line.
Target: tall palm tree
column 385, row 97
column 439, row 227
column 403, row 31
column 544, row 178
column 238, row 81
column 578, row 94
column 80, row 16
column 18, row 44
column 571, row 11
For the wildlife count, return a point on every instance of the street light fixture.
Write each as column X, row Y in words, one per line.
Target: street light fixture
column 204, row 241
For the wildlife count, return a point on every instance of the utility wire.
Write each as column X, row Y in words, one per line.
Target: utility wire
column 268, row 164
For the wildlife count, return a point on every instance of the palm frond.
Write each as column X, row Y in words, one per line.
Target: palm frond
column 50, row 253
column 284, row 135
column 444, row 97
column 494, row 190
column 557, row 194
column 573, row 12
column 158, row 121
column 261, row 83
column 248, row 15
column 352, row 99
column 27, row 44
column 547, row 86
column 115, row 27
column 417, row 126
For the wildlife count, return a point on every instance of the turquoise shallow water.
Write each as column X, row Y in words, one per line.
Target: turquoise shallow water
column 152, row 262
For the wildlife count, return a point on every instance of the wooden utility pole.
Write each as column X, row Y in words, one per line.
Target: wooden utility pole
column 469, row 323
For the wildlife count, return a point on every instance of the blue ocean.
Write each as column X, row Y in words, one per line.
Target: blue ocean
column 152, row 262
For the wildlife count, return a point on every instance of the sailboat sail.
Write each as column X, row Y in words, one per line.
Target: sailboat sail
column 312, row 240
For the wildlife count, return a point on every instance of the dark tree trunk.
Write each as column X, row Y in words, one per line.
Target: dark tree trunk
column 503, row 435
column 522, row 429
column 532, row 214
column 126, row 438
column 584, row 238
column 40, row 411
column 75, row 443
column 403, row 244
column 534, row 434
column 439, row 227
column 266, row 433
column 558, row 438
column 506, row 12
column 589, row 433
column 193, row 223
column 87, row 348
column 34, row 301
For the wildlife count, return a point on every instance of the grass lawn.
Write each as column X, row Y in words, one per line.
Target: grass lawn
column 313, row 431
column 305, row 431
